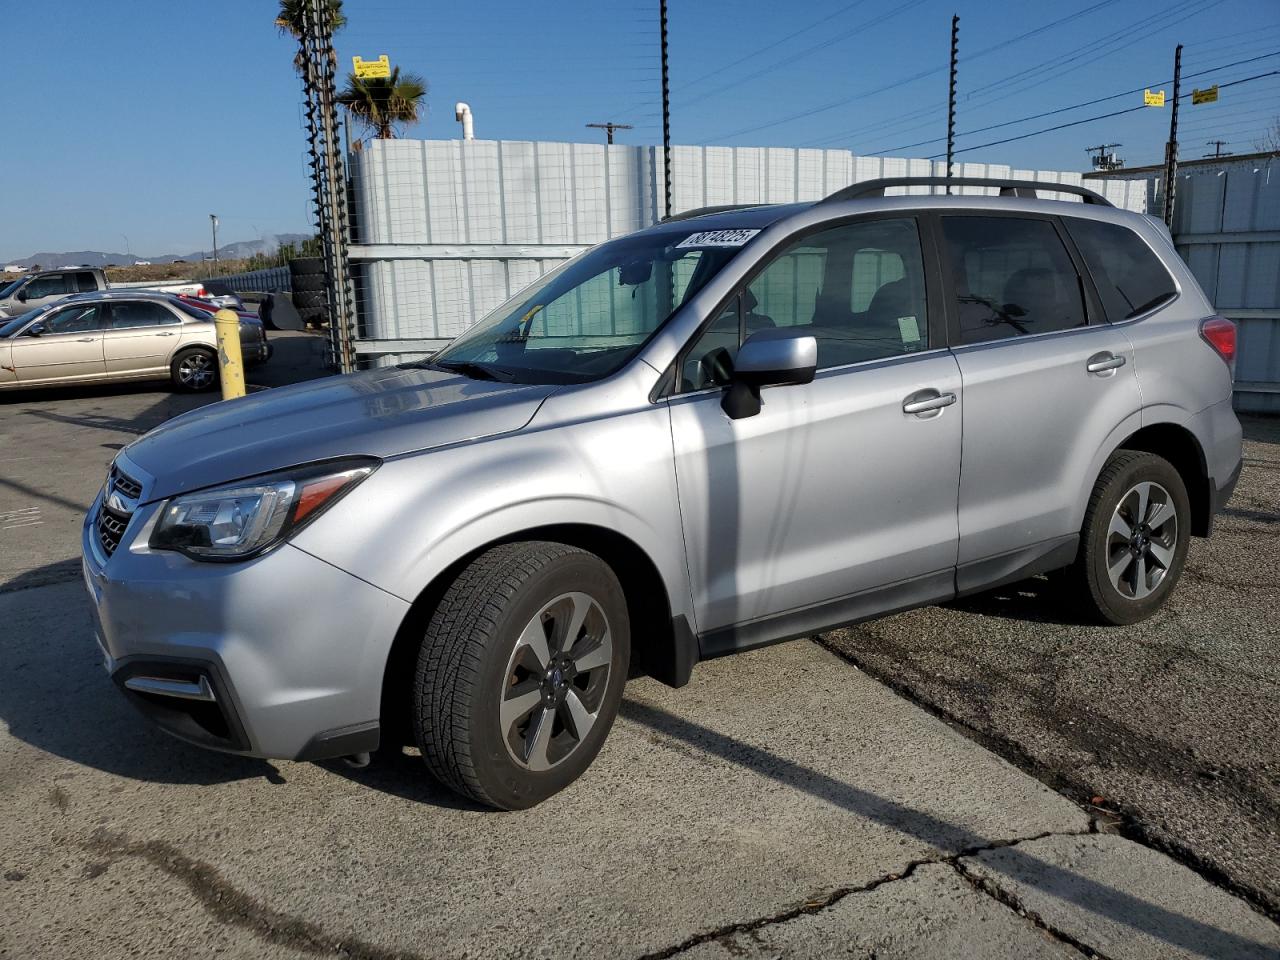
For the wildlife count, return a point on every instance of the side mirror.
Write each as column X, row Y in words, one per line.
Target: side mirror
column 776, row 357
column 21, row 295
column 36, row 330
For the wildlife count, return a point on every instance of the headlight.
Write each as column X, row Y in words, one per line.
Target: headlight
column 245, row 519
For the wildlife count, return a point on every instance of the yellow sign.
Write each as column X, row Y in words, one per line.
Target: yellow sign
column 1205, row 96
column 1150, row 99
column 379, row 69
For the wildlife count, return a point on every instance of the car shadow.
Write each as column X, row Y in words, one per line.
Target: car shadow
column 1034, row 600
column 1082, row 892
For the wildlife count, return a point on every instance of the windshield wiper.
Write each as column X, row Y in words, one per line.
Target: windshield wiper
column 476, row 371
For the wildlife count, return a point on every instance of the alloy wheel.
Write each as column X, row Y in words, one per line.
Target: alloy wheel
column 196, row 370
column 555, row 681
column 1141, row 540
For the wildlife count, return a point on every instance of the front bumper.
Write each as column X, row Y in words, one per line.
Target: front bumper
column 280, row 656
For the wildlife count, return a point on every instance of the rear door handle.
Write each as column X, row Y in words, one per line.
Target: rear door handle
column 917, row 404
column 87, row 340
column 166, row 334
column 1102, row 362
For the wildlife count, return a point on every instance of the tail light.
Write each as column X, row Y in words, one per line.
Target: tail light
column 1220, row 333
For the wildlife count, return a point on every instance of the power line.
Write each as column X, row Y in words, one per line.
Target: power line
column 1074, row 106
column 1104, row 116
column 903, row 81
column 1019, row 77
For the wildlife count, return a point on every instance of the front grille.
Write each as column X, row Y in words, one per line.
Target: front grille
column 111, row 521
column 111, row 526
column 125, row 485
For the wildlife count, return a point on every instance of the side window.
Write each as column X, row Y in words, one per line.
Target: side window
column 1129, row 276
column 139, row 314
column 77, row 319
column 1011, row 277
column 54, row 285
column 86, row 282
column 858, row 289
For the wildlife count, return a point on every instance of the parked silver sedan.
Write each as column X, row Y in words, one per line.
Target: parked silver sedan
column 108, row 336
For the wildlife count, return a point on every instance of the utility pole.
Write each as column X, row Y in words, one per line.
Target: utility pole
column 1171, row 149
column 666, row 108
column 320, row 68
column 609, row 127
column 213, row 220
column 1217, row 148
column 1103, row 157
column 951, row 98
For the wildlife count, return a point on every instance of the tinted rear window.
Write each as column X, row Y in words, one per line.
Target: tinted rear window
column 1129, row 276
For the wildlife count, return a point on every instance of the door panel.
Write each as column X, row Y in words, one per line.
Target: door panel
column 140, row 338
column 1034, row 420
column 1046, row 380
column 70, row 349
column 830, row 490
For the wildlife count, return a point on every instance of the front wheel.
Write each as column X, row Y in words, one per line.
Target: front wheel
column 521, row 671
column 1133, row 544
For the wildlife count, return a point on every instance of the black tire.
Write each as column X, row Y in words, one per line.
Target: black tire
column 313, row 315
column 308, row 282
column 1089, row 581
column 306, row 266
column 466, row 662
column 194, row 370
column 309, row 298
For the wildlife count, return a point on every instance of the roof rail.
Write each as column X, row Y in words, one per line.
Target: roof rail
column 1008, row 188
column 705, row 211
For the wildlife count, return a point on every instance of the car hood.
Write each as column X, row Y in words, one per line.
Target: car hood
column 380, row 413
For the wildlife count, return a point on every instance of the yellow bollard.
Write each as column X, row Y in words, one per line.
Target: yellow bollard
column 230, row 362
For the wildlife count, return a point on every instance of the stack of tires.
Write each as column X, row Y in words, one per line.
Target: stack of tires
column 307, row 281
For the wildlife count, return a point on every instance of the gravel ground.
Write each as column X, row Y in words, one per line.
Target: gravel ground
column 1171, row 724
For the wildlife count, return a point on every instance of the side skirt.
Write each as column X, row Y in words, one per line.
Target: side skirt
column 845, row 611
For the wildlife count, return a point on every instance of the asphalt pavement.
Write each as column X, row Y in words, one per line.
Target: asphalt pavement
column 1173, row 724
column 785, row 803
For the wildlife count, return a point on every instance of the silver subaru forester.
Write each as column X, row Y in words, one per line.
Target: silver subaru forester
column 732, row 428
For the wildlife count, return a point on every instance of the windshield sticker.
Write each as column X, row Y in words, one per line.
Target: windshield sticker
column 717, row 238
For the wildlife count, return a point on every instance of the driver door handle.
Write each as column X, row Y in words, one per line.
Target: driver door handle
column 915, row 404
column 1102, row 362
column 87, row 340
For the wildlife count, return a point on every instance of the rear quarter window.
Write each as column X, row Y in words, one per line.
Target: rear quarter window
column 1129, row 276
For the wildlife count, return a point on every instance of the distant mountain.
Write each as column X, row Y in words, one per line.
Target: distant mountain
column 97, row 258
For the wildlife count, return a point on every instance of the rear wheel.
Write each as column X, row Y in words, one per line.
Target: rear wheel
column 1134, row 541
column 194, row 370
column 521, row 672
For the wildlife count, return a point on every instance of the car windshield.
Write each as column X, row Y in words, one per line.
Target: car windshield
column 590, row 316
column 17, row 323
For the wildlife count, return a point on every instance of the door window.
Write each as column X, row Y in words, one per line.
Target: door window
column 141, row 313
column 54, row 285
column 858, row 289
column 86, row 282
column 1129, row 276
column 78, row 319
column 1011, row 277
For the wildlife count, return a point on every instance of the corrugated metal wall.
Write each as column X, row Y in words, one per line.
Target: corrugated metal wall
column 1227, row 228
column 449, row 229
column 1226, row 225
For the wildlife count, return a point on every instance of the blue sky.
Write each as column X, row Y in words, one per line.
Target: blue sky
column 137, row 120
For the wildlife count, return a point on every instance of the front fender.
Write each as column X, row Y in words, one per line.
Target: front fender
column 418, row 515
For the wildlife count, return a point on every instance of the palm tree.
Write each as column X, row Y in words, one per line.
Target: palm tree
column 381, row 103
column 289, row 17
